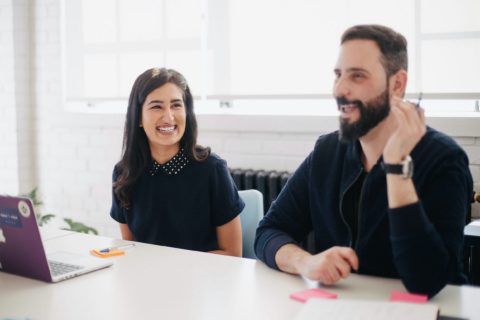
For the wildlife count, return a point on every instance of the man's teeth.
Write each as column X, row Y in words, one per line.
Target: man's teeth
column 166, row 129
column 348, row 107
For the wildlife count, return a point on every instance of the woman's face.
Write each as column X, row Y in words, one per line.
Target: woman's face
column 164, row 118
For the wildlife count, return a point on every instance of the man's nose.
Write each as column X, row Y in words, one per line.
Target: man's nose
column 341, row 87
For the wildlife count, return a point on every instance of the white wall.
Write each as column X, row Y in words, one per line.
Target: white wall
column 70, row 156
column 8, row 122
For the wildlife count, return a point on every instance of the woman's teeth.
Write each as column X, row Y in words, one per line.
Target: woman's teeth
column 166, row 129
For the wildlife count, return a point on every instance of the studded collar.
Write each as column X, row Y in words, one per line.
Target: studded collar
column 171, row 167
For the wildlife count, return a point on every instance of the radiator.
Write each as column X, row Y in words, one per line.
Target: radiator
column 269, row 183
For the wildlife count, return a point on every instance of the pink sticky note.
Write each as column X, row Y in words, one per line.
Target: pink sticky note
column 304, row 295
column 408, row 297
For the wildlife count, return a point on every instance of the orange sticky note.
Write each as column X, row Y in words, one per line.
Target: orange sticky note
column 111, row 253
column 304, row 295
column 408, row 297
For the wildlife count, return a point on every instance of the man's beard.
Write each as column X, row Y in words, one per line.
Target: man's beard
column 371, row 114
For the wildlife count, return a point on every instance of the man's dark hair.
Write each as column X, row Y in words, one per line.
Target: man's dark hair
column 392, row 44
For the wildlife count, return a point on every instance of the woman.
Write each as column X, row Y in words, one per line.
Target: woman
column 167, row 190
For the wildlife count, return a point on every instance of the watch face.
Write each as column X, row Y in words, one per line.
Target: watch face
column 407, row 171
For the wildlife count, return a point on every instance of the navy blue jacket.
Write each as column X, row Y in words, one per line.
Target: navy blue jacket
column 420, row 243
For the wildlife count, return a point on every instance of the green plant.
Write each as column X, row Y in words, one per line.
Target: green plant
column 43, row 219
column 79, row 227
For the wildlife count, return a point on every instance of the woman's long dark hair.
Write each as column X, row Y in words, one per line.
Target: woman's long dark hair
column 136, row 156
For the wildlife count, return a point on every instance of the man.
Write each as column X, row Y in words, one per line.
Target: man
column 357, row 191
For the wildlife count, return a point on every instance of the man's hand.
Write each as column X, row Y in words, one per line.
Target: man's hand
column 330, row 265
column 410, row 129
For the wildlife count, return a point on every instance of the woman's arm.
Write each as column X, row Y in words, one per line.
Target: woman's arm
column 229, row 238
column 126, row 233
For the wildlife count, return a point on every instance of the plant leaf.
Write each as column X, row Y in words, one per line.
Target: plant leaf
column 79, row 227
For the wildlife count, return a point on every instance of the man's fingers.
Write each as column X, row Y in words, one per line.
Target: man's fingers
column 331, row 265
column 349, row 255
column 343, row 267
column 332, row 275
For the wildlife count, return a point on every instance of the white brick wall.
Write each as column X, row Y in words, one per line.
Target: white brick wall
column 72, row 155
column 9, row 182
column 23, row 106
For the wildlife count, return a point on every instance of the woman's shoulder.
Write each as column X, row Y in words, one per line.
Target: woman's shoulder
column 213, row 161
column 213, row 165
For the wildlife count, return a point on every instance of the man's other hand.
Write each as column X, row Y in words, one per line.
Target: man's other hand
column 330, row 265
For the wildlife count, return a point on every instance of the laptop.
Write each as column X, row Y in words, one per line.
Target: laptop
column 22, row 251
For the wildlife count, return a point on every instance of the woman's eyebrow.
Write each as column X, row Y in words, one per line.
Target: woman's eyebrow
column 155, row 101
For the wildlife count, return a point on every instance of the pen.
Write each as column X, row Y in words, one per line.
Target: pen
column 117, row 248
column 419, row 99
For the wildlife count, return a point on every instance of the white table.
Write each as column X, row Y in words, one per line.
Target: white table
column 154, row 282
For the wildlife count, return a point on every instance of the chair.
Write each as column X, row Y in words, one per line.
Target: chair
column 250, row 217
column 472, row 246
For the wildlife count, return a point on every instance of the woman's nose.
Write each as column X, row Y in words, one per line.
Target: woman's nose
column 167, row 114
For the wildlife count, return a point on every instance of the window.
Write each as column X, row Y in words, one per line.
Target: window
column 245, row 53
column 109, row 43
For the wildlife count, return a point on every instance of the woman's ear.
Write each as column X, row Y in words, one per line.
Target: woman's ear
column 398, row 83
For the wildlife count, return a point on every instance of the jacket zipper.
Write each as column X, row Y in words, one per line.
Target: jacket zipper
column 341, row 207
column 360, row 212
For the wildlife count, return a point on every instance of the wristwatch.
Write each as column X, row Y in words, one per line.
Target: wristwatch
column 404, row 168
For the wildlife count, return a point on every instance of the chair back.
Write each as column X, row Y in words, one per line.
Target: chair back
column 250, row 217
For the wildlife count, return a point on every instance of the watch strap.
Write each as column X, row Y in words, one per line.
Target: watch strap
column 404, row 168
column 392, row 168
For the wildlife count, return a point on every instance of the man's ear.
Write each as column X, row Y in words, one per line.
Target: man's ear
column 398, row 83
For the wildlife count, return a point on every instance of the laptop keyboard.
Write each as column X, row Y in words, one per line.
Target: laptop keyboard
column 59, row 268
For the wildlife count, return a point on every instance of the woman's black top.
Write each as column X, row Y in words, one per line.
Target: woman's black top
column 180, row 203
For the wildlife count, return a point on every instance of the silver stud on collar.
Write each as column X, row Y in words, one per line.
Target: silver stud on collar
column 173, row 166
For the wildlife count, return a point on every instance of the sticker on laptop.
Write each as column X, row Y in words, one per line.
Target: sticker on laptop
column 2, row 237
column 24, row 209
column 9, row 217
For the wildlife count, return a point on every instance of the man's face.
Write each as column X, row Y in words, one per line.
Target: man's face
column 361, row 89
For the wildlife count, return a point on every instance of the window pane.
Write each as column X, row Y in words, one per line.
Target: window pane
column 300, row 40
column 187, row 63
column 396, row 14
column 450, row 16
column 98, row 21
column 100, row 75
column 288, row 50
column 451, row 65
column 140, row 20
column 133, row 64
column 184, row 18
